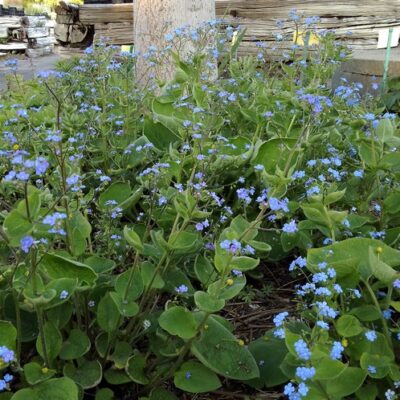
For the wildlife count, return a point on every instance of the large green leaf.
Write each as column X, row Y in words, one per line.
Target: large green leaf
column 220, row 351
column 194, row 377
column 8, row 335
column 75, row 346
column 57, row 389
column 52, row 339
column 205, row 302
column 80, row 230
column 87, row 375
column 108, row 316
column 118, row 192
column 350, row 381
column 348, row 326
column 34, row 373
column 275, row 153
column 135, row 369
column 350, row 254
column 16, row 226
column 159, row 134
column 178, row 321
column 269, row 352
column 57, row 267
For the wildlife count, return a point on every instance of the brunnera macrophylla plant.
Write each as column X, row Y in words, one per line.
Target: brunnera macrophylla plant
column 130, row 218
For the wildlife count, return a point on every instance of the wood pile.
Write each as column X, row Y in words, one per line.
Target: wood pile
column 69, row 30
column 9, row 36
column 36, row 31
column 355, row 23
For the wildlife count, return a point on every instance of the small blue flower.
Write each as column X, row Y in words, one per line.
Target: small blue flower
column 188, row 374
column 290, row 227
column 336, row 351
column 371, row 336
column 64, row 294
column 280, row 318
column 302, row 350
column 26, row 243
column 396, row 284
column 8, row 378
column 372, row 369
column 305, row 373
column 181, row 289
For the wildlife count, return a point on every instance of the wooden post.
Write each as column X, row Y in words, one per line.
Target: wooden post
column 153, row 20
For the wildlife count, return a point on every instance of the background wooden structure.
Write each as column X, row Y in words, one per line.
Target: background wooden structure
column 355, row 21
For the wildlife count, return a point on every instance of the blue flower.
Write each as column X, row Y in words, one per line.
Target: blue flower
column 64, row 294
column 371, row 369
column 188, row 374
column 396, row 284
column 325, row 311
column 3, row 385
column 305, row 373
column 181, row 289
column 302, row 350
column 6, row 354
column 280, row 318
column 290, row 227
column 336, row 351
column 359, row 173
column 323, row 325
column 302, row 389
column 26, row 243
column 371, row 336
column 279, row 333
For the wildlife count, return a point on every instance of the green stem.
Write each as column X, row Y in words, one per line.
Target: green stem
column 376, row 303
column 39, row 313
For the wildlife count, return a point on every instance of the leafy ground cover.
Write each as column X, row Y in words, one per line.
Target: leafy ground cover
column 143, row 231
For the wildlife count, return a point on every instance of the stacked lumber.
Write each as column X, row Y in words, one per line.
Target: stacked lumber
column 35, row 30
column 91, row 14
column 259, row 18
column 9, row 40
column 69, row 30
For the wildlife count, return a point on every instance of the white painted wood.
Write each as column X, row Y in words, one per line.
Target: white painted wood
column 154, row 19
column 13, row 46
column 41, row 42
column 3, row 32
column 43, row 51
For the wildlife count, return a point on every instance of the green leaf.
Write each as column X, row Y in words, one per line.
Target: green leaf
column 87, row 375
column 366, row 313
column 382, row 271
column 244, row 263
column 381, row 363
column 184, row 242
column 35, row 374
column 194, row 377
column 118, row 192
column 77, row 345
column 126, row 308
column 204, row 270
column 104, row 394
column 367, row 392
column 348, row 326
column 178, row 321
column 333, row 197
column 127, row 288
column 57, row 267
column 159, row 135
column 116, row 377
column 329, row 369
column 162, row 394
column 269, row 353
column 8, row 335
column 350, row 381
column 80, row 230
column 346, row 257
column 149, row 276
column 108, row 316
column 133, row 239
column 52, row 339
column 384, row 130
column 16, row 226
column 100, row 265
column 220, row 351
column 275, row 153
column 59, row 286
column 60, row 389
column 225, row 291
column 34, row 203
column 135, row 369
column 121, row 354
column 205, row 302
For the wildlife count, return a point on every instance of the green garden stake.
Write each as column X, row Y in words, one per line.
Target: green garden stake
column 387, row 60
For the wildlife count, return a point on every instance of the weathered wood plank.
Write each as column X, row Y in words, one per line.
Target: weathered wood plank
column 91, row 14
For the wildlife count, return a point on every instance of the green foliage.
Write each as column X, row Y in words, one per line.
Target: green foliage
column 130, row 218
